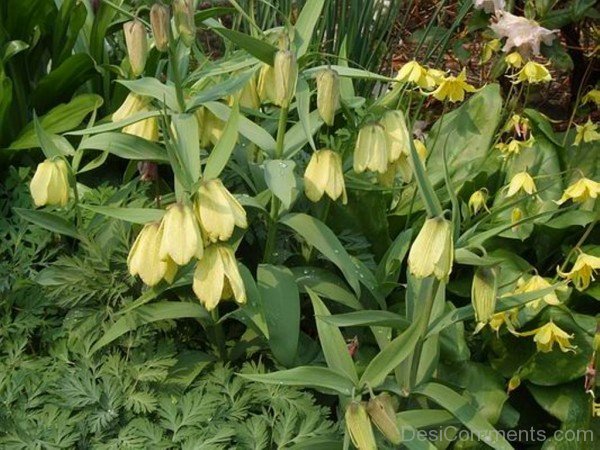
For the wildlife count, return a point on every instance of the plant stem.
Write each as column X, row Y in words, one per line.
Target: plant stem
column 176, row 79
column 219, row 335
column 275, row 203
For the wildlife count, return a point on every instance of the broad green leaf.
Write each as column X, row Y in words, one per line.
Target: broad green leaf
column 133, row 215
column 247, row 128
column 253, row 309
column 281, row 306
column 349, row 72
column 317, row 234
column 49, row 221
column 326, row 284
column 332, row 341
column 409, row 435
column 369, row 318
column 217, row 160
column 151, row 87
column 187, row 143
column 306, row 376
column 146, row 314
column 219, row 91
column 295, row 137
column 391, row 356
column 52, row 145
column 63, row 117
column 305, row 25
column 428, row 196
column 389, row 266
column 111, row 126
column 281, row 180
column 125, row 146
column 463, row 411
column 259, row 49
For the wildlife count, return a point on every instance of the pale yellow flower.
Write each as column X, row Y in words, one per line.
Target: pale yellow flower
column 432, row 252
column 453, row 88
column 359, row 427
column 514, row 60
column 371, row 152
column 588, row 132
column 592, row 96
column 582, row 272
column 135, row 104
column 546, row 336
column 396, row 132
column 581, row 191
column 514, row 146
column 533, row 284
column 413, row 72
column 324, row 175
column 488, row 50
column 533, row 73
column 522, row 181
column 50, row 183
column 144, row 257
column 478, row 200
column 181, row 239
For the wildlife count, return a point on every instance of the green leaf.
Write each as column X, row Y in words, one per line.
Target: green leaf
column 369, row 318
column 146, row 314
column 317, row 234
column 125, row 146
column 306, row 376
column 247, row 128
column 219, row 91
column 326, row 284
column 281, row 306
column 62, row 118
column 253, row 309
column 303, row 108
column 133, row 215
column 49, row 221
column 391, row 356
column 349, row 72
column 465, row 412
column 332, row 341
column 295, row 137
column 187, row 143
column 410, row 431
column 281, row 180
column 111, row 126
column 10, row 49
column 52, row 145
column 257, row 48
column 151, row 87
column 430, row 199
column 219, row 156
column 305, row 25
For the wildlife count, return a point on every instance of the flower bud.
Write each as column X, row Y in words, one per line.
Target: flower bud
column 217, row 277
column 324, row 175
column 381, row 411
column 285, row 73
column 160, row 21
column 359, row 427
column 328, row 95
column 144, row 258
column 136, row 40
column 484, row 292
column 513, row 383
column 432, row 253
column 183, row 11
column 50, row 183
column 477, row 201
column 515, row 216
column 218, row 211
column 398, row 138
column 181, row 239
column 371, row 150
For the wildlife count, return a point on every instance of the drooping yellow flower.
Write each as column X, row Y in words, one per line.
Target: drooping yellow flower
column 218, row 211
column 371, row 152
column 50, row 183
column 266, row 84
column 181, row 238
column 518, row 124
column 328, row 95
column 478, row 200
column 324, row 175
column 515, row 217
column 582, row 272
column 453, row 88
column 514, row 60
column 581, row 191
column 588, row 132
column 484, row 292
column 134, row 104
column 432, row 252
column 488, row 50
column 413, row 72
column 536, row 283
column 144, row 257
column 210, row 126
column 285, row 76
column 382, row 413
column 247, row 96
column 396, row 132
column 592, row 96
column 522, row 181
column 546, row 336
column 533, row 73
column 359, row 427
column 507, row 318
column 217, row 277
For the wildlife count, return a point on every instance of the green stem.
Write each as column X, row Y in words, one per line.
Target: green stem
column 219, row 335
column 576, row 105
column 176, row 79
column 275, row 203
column 126, row 13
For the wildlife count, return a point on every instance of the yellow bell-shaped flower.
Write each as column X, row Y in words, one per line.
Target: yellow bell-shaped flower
column 285, row 75
column 581, row 191
column 217, row 277
column 484, row 292
column 134, row 104
column 514, row 60
column 398, row 137
column 136, row 41
column 210, row 126
column 582, row 272
column 537, row 283
column 144, row 257
column 181, row 238
column 592, row 96
column 432, row 252
column 522, row 181
column 413, row 72
column 324, row 175
column 478, row 200
column 588, row 132
column 328, row 95
column 370, row 152
column 50, row 183
column 359, row 427
column 266, row 84
column 218, row 211
column 453, row 88
column 533, row 73
column 546, row 336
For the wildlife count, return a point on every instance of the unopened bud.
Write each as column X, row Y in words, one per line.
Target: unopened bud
column 513, row 383
column 137, row 45
column 477, row 200
column 484, row 292
column 381, row 411
column 183, row 11
column 328, row 95
column 160, row 21
column 285, row 76
column 359, row 427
